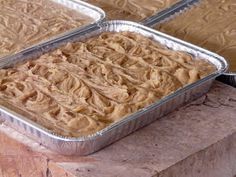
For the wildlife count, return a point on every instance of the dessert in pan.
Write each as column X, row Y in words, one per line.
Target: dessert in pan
column 82, row 87
column 24, row 23
column 210, row 24
column 133, row 10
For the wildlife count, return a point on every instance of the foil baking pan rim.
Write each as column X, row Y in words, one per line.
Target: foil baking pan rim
column 166, row 13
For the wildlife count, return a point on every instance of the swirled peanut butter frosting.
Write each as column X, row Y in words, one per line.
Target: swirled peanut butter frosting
column 83, row 87
column 134, row 10
column 24, row 23
column 211, row 24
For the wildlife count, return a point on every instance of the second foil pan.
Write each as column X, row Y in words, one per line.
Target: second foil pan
column 89, row 144
column 29, row 23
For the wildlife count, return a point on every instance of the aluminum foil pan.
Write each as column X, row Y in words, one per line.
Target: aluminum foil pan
column 95, row 13
column 92, row 143
column 177, row 8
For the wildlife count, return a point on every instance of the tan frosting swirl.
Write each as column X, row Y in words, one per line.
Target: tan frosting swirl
column 26, row 22
column 134, row 10
column 211, row 25
column 82, row 87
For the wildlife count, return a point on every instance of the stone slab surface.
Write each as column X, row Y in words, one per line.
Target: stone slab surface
column 198, row 140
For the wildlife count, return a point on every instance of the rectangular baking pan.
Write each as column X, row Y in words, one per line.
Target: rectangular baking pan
column 92, row 143
column 97, row 14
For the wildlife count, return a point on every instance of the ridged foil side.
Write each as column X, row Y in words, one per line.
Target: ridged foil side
column 170, row 12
